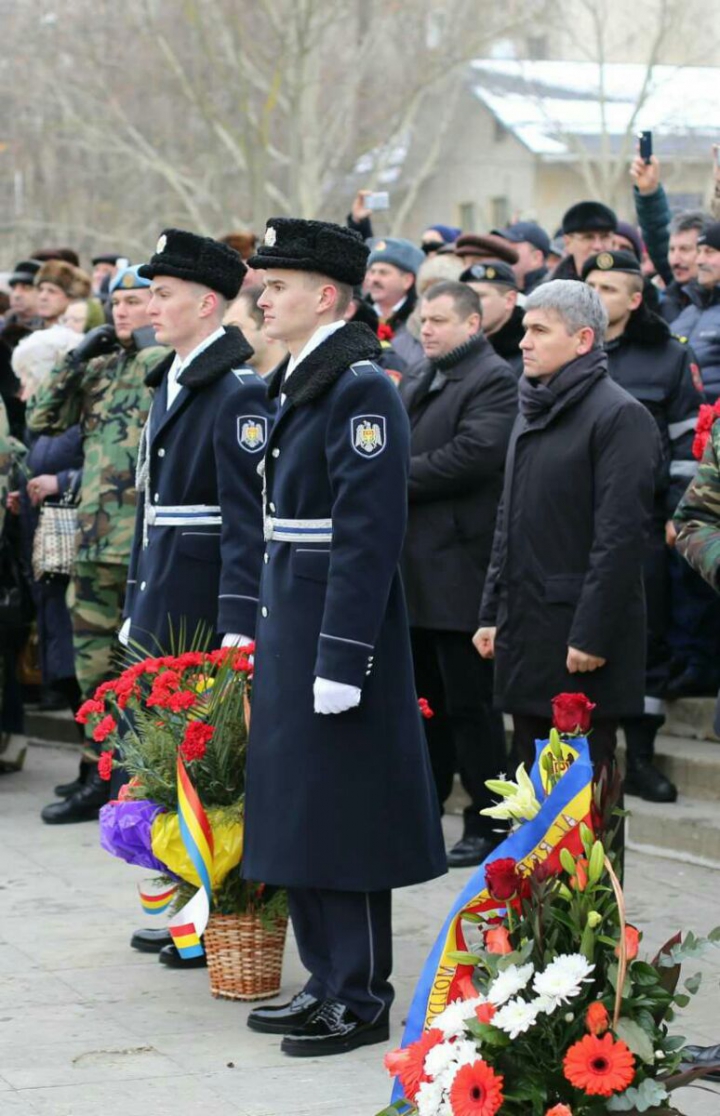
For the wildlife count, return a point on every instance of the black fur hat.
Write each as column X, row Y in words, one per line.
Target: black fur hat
column 198, row 259
column 297, row 245
column 589, row 216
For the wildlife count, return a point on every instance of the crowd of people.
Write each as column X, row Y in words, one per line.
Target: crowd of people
column 462, row 469
column 78, row 354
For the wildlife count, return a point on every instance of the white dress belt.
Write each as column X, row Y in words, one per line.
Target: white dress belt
column 183, row 515
column 297, row 530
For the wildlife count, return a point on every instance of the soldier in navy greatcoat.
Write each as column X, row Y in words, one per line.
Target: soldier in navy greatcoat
column 197, row 551
column 340, row 799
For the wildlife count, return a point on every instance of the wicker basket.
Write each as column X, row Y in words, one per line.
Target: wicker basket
column 244, row 956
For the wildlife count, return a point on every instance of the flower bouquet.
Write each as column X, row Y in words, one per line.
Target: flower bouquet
column 534, row 1001
column 180, row 724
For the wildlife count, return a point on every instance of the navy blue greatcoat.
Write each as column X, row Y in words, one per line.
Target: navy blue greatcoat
column 202, row 452
column 347, row 801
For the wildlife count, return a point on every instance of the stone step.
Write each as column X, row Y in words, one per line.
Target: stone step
column 691, row 717
column 52, row 728
column 688, row 830
column 693, row 765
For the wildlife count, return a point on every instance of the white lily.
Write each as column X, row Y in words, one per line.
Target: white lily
column 520, row 801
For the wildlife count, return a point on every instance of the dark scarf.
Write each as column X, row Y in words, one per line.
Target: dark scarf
column 443, row 363
column 537, row 400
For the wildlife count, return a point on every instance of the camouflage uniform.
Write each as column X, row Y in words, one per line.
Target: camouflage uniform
column 698, row 515
column 109, row 398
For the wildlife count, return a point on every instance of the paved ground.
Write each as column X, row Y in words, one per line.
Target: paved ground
column 87, row 1026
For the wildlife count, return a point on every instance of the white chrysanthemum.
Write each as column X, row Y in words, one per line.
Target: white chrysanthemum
column 564, row 977
column 439, row 1059
column 508, row 983
column 545, row 1004
column 452, row 1021
column 429, row 1098
column 443, row 1067
column 515, row 1018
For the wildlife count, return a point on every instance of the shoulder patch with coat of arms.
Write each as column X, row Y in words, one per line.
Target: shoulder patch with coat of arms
column 252, row 432
column 368, row 434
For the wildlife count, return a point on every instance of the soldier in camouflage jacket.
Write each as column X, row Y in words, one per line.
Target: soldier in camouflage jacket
column 101, row 385
column 697, row 517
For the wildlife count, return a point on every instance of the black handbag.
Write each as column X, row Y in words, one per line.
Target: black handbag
column 16, row 602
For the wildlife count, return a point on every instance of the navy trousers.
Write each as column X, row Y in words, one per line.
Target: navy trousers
column 344, row 939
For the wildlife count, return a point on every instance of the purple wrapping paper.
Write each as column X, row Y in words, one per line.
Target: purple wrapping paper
column 126, row 831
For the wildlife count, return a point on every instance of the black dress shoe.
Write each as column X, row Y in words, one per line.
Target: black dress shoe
column 696, row 1057
column 470, row 851
column 333, row 1029
column 151, row 941
column 82, row 806
column 645, row 781
column 283, row 1018
column 169, row 955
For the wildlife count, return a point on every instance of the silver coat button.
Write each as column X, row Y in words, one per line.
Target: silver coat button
column 161, row 453
column 276, row 452
column 266, row 557
column 143, row 585
column 272, row 507
column 264, row 611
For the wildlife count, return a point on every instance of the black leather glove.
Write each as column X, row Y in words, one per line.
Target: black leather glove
column 98, row 341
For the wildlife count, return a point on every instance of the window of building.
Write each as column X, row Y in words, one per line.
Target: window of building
column 466, row 216
column 500, row 212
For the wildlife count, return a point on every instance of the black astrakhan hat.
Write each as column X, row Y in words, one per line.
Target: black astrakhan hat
column 198, row 259
column 297, row 245
column 589, row 216
column 626, row 262
column 24, row 272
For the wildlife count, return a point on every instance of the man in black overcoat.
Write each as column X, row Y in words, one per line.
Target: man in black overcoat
column 564, row 607
column 340, row 801
column 197, row 549
column 462, row 406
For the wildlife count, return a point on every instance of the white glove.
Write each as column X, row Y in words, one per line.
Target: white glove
column 124, row 633
column 334, row 697
column 230, row 640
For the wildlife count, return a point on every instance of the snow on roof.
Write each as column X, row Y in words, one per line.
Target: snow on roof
column 545, row 103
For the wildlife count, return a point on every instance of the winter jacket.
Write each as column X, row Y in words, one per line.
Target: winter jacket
column 461, row 411
column 698, row 515
column 699, row 324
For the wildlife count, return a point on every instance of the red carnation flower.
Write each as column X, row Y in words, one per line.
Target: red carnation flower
column 88, row 709
column 189, row 659
column 571, row 713
column 385, row 332
column 502, row 878
column 425, row 710
column 103, row 729
column 105, row 765
column 182, row 700
column 705, row 421
column 195, row 741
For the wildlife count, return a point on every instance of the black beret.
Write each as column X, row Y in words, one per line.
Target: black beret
column 589, row 216
column 612, row 261
column 197, row 259
column 24, row 272
column 711, row 236
column 500, row 273
column 293, row 244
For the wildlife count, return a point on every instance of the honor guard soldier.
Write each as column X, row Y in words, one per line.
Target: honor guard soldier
column 336, row 758
column 198, row 543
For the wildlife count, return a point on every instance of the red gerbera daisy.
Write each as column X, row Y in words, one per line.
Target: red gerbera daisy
column 599, row 1066
column 476, row 1090
column 409, row 1063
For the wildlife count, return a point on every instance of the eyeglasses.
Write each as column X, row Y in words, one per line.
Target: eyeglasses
column 429, row 246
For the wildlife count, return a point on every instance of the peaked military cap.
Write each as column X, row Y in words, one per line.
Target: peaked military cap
column 129, row 279
column 24, row 272
column 589, row 216
column 197, row 259
column 500, row 273
column 489, row 247
column 528, row 231
column 623, row 261
column 294, row 244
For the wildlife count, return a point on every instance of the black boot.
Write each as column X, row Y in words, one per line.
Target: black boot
column 65, row 790
column 642, row 778
column 52, row 699
column 82, row 806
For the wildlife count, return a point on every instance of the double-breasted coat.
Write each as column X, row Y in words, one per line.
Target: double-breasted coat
column 567, row 561
column 343, row 801
column 199, row 460
column 461, row 416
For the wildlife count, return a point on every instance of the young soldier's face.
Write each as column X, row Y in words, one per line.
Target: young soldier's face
column 290, row 305
column 130, row 311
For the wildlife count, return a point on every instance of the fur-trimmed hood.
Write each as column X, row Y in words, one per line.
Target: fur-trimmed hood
column 229, row 351
column 317, row 373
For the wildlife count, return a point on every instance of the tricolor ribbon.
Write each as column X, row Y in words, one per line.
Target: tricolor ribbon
column 537, row 841
column 154, row 903
column 188, row 925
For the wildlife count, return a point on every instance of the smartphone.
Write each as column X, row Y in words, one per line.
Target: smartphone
column 379, row 200
column 645, row 145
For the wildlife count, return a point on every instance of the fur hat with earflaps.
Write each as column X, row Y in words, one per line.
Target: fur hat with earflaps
column 72, row 280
